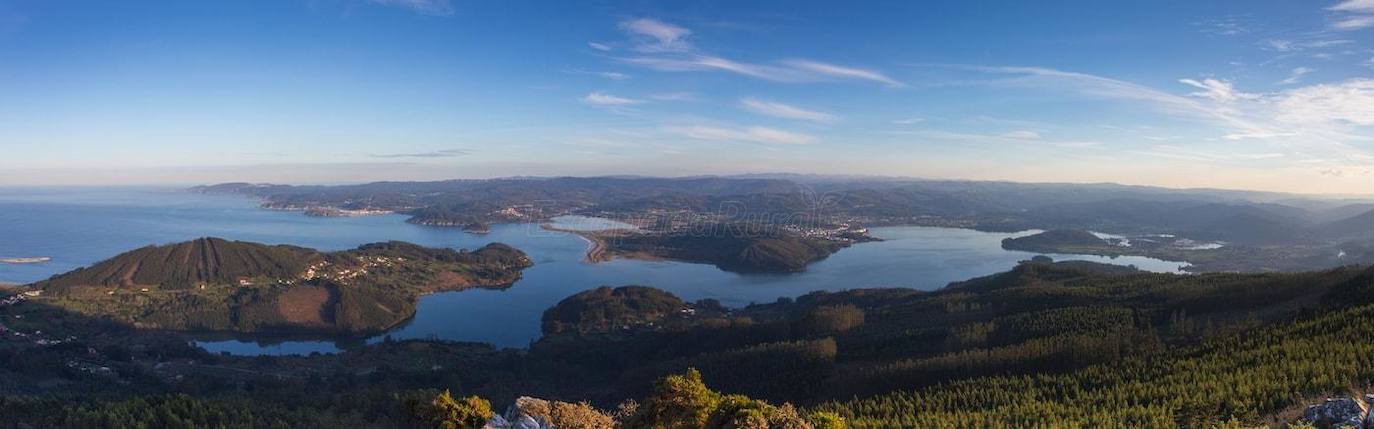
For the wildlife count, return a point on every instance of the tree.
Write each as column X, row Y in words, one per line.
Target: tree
column 446, row 412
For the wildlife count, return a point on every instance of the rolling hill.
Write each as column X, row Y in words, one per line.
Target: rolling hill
column 212, row 284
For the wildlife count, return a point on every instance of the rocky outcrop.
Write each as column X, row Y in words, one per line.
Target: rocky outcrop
column 534, row 413
column 525, row 413
column 1344, row 412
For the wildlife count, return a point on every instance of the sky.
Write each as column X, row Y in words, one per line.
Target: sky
column 1254, row 94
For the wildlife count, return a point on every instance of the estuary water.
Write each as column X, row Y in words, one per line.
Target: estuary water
column 80, row 226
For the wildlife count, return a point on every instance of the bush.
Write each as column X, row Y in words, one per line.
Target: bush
column 679, row 401
column 443, row 411
column 827, row 420
column 684, row 402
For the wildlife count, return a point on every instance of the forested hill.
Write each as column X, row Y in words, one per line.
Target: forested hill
column 737, row 248
column 212, row 284
column 212, row 261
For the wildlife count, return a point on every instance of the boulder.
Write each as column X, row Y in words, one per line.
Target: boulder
column 1338, row 413
column 497, row 422
column 525, row 413
column 527, row 422
column 1369, row 420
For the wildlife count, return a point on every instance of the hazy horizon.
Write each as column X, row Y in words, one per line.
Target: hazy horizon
column 1265, row 96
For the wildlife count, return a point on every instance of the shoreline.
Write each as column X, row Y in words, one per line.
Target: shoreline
column 597, row 249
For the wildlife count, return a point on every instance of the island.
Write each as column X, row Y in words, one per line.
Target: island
column 1070, row 241
column 740, row 248
column 32, row 260
column 217, row 285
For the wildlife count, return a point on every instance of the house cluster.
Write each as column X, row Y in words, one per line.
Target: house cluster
column 90, row 367
column 320, row 269
column 12, row 300
column 841, row 232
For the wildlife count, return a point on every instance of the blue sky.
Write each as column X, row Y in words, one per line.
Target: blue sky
column 1272, row 95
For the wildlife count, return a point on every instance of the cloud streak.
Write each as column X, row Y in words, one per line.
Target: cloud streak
column 785, row 111
column 1355, row 15
column 666, row 47
column 750, row 134
column 842, row 71
column 425, row 7
column 1296, row 75
column 657, row 36
column 445, row 153
column 603, row 99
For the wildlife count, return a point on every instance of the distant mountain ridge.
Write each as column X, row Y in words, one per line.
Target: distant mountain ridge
column 1253, row 224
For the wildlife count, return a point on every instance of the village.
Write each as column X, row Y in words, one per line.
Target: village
column 37, row 337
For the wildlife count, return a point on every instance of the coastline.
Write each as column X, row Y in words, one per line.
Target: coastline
column 598, row 250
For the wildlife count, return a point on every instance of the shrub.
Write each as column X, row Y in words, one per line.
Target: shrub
column 443, row 411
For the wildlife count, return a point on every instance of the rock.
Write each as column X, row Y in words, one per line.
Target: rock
column 1338, row 413
column 1369, row 420
column 525, row 413
column 527, row 422
column 497, row 422
column 527, row 406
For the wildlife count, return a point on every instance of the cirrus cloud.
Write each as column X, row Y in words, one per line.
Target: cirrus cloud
column 603, row 99
column 426, row 7
column 749, row 134
column 785, row 111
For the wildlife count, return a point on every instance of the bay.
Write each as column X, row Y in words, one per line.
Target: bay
column 80, row 226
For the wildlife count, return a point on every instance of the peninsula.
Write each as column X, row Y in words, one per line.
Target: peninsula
column 212, row 284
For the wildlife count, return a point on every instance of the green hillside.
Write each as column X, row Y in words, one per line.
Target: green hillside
column 212, row 284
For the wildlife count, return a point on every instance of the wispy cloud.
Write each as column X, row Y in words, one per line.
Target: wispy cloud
column 786, row 71
column 1349, row 102
column 1354, row 22
column 785, row 111
column 665, row 47
column 1021, row 135
column 427, row 7
column 603, row 99
column 842, row 71
column 1296, row 75
column 1014, row 137
column 908, row 121
column 674, row 96
column 1359, row 6
column 445, row 153
column 1098, row 86
column 1353, row 14
column 1217, row 90
column 1228, row 26
column 1256, row 135
column 599, row 46
column 657, row 36
column 1287, row 45
column 1327, row 117
column 613, row 75
column 750, row 134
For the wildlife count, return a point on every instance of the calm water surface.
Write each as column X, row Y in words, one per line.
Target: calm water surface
column 77, row 227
